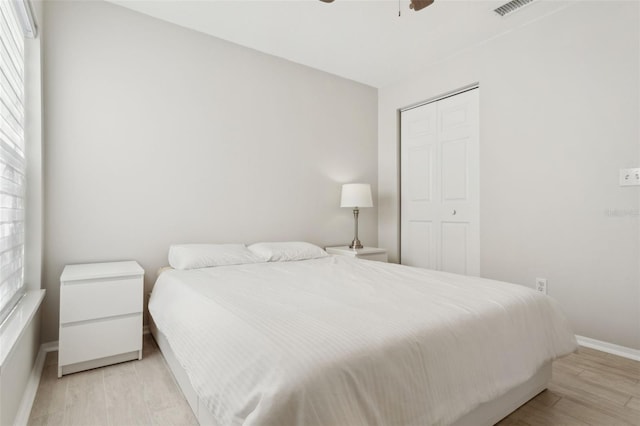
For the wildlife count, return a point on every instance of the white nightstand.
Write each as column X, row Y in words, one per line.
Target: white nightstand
column 100, row 315
column 368, row 253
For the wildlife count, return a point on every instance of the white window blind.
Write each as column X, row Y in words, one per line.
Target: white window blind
column 12, row 158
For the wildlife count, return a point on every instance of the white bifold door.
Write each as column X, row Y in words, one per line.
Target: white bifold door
column 439, row 189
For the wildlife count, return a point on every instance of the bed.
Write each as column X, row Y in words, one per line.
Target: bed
column 343, row 341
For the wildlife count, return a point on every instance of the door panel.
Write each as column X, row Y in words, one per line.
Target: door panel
column 419, row 173
column 453, row 116
column 419, row 131
column 439, row 172
column 454, row 247
column 454, row 170
column 418, row 241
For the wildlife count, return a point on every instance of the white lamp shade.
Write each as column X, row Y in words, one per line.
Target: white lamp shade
column 356, row 195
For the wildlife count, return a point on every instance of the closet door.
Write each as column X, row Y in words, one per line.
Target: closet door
column 439, row 185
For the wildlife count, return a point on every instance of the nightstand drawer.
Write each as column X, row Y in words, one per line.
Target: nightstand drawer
column 367, row 253
column 86, row 300
column 378, row 257
column 100, row 338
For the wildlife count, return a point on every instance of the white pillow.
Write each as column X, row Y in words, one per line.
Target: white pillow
column 192, row 256
column 284, row 252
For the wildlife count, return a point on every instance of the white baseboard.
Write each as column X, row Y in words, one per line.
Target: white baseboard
column 610, row 348
column 29, row 396
column 49, row 346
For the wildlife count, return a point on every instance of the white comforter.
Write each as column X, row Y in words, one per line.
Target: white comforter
column 341, row 341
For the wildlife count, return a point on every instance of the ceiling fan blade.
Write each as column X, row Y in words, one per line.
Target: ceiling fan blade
column 418, row 4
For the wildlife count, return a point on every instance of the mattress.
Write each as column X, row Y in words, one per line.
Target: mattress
column 342, row 341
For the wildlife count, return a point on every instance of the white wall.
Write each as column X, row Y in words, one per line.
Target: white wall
column 156, row 134
column 559, row 103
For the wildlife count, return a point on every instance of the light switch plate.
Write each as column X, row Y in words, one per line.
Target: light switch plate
column 630, row 177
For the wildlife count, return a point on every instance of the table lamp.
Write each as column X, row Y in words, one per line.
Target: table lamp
column 356, row 195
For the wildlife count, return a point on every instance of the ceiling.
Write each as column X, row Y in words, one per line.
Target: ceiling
column 361, row 40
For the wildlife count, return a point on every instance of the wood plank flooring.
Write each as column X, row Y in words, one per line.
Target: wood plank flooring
column 132, row 393
column 588, row 388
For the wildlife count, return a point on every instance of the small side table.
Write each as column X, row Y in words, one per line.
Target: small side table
column 100, row 315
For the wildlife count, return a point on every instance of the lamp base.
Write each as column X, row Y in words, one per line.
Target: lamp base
column 355, row 244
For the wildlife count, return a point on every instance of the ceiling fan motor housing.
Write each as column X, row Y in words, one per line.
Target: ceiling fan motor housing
column 420, row 4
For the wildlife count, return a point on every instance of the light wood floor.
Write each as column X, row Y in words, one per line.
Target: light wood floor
column 132, row 393
column 588, row 388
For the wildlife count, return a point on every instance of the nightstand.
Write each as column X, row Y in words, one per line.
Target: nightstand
column 368, row 253
column 100, row 315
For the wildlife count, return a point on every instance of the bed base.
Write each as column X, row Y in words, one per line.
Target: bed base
column 486, row 414
column 491, row 412
column 180, row 375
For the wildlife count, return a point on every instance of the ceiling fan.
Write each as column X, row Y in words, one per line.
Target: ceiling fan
column 415, row 4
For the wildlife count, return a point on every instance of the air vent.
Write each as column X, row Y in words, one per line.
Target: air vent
column 512, row 6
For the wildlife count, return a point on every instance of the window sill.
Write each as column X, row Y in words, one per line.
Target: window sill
column 17, row 322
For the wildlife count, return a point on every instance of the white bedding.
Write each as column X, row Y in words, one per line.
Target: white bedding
column 342, row 341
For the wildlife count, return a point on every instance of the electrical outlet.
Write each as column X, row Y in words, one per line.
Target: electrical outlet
column 541, row 285
column 630, row 177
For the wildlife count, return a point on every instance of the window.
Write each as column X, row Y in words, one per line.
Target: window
column 12, row 158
